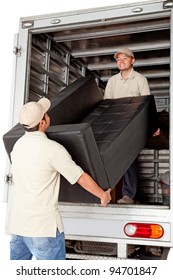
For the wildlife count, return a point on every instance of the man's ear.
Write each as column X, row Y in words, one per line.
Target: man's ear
column 42, row 124
column 133, row 60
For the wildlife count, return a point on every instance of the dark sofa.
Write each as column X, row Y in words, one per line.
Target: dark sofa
column 103, row 136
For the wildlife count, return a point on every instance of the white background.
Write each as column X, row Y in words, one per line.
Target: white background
column 11, row 11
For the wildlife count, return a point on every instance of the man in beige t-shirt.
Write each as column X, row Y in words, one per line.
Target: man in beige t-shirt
column 126, row 83
column 34, row 218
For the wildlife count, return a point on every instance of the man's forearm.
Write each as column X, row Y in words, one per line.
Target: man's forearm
column 86, row 182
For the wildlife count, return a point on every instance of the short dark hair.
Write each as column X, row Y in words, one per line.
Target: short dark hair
column 35, row 128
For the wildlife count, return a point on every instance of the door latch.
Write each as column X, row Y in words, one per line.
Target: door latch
column 8, row 179
column 17, row 51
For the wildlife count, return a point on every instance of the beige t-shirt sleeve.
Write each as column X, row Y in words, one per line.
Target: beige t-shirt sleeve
column 64, row 164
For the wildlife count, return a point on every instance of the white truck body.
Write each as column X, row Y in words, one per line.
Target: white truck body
column 86, row 41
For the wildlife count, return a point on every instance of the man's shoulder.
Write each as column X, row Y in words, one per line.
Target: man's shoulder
column 139, row 75
column 115, row 77
column 55, row 146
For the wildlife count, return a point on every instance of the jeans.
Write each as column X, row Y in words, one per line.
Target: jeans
column 130, row 181
column 42, row 248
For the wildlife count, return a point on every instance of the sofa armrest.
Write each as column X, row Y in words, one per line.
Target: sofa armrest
column 79, row 141
column 11, row 137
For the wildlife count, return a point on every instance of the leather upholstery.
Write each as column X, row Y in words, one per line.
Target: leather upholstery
column 75, row 102
column 121, row 129
column 103, row 136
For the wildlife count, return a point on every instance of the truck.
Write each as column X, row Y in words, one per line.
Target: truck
column 54, row 50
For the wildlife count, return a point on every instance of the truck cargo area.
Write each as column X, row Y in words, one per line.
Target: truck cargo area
column 62, row 53
column 55, row 50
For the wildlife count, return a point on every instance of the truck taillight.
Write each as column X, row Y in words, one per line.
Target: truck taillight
column 143, row 230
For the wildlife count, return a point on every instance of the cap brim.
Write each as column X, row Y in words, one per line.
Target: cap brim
column 115, row 55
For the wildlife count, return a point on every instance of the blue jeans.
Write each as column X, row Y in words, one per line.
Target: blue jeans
column 42, row 248
column 130, row 181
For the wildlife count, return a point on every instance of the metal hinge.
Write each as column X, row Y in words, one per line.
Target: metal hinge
column 8, row 179
column 17, row 51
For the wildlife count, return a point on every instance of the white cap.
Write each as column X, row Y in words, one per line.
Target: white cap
column 32, row 112
column 126, row 51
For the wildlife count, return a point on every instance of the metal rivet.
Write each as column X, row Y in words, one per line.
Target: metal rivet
column 55, row 21
column 137, row 10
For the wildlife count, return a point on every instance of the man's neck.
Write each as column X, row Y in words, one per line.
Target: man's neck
column 126, row 73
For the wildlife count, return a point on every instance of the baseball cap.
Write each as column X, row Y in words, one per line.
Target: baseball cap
column 126, row 51
column 32, row 112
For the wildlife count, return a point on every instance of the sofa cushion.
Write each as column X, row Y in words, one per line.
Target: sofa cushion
column 121, row 129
